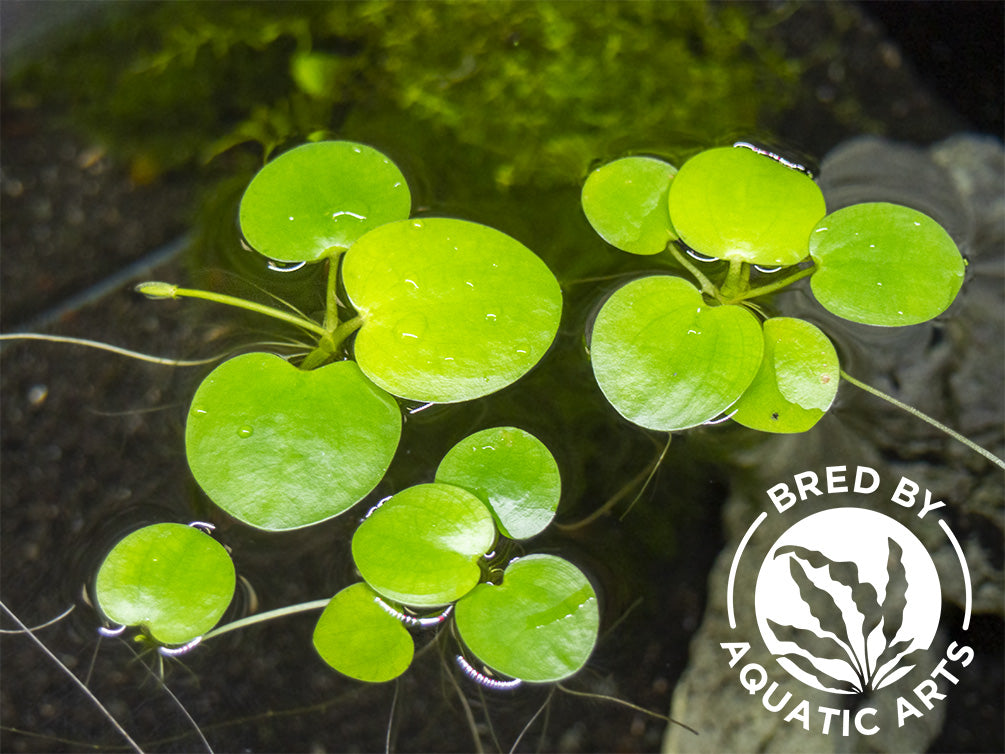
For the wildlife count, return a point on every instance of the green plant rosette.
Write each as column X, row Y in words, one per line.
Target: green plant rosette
column 797, row 381
column 318, row 199
column 884, row 264
column 360, row 639
column 451, row 310
column 512, row 472
column 666, row 360
column 733, row 203
column 281, row 448
column 626, row 203
column 422, row 546
column 539, row 625
column 174, row 581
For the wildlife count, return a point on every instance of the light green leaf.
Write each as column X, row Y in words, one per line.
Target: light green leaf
column 360, row 639
column 797, row 381
column 626, row 203
column 173, row 580
column 539, row 625
column 884, row 264
column 421, row 547
column 281, row 448
column 512, row 472
column 732, row 203
column 666, row 360
column 321, row 197
column 452, row 310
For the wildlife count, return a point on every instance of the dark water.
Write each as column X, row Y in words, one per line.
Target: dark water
column 92, row 447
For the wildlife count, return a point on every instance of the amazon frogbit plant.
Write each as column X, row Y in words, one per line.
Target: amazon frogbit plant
column 439, row 310
column 670, row 354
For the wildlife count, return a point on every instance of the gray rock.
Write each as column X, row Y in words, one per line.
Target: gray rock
column 953, row 369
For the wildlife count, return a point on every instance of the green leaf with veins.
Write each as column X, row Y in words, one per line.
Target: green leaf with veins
column 174, row 580
column 319, row 198
column 666, row 360
column 626, row 203
column 452, row 310
column 732, row 203
column 280, row 448
column 797, row 381
column 422, row 546
column 539, row 625
column 512, row 472
column 884, row 264
column 360, row 639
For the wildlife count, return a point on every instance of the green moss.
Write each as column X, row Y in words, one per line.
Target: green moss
column 541, row 88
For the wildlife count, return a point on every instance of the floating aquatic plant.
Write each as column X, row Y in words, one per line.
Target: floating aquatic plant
column 670, row 355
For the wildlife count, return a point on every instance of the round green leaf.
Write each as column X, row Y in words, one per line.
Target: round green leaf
column 539, row 625
column 512, row 472
column 360, row 639
column 626, row 203
column 319, row 197
column 666, row 360
column 884, row 264
column 452, row 310
column 173, row 580
column 422, row 546
column 735, row 204
column 797, row 381
column 281, row 448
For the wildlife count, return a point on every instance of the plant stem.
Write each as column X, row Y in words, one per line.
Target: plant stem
column 331, row 297
column 281, row 612
column 166, row 290
column 737, row 281
column 707, row 286
column 925, row 418
column 637, row 708
column 329, row 344
column 778, row 284
column 643, row 478
column 346, row 329
column 90, row 694
column 110, row 348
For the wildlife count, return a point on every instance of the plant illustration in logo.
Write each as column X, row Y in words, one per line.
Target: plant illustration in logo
column 837, row 645
column 838, row 623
